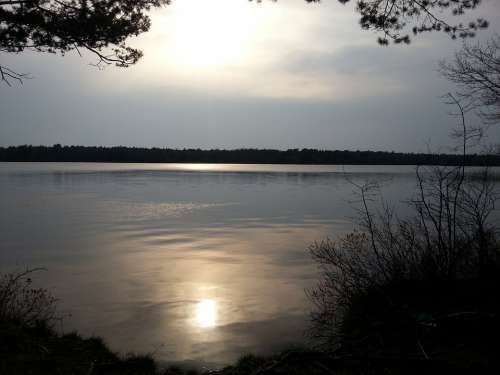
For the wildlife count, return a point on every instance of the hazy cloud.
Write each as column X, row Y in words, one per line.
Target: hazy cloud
column 305, row 76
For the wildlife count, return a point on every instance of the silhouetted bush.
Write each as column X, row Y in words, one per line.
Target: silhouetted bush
column 20, row 301
column 422, row 286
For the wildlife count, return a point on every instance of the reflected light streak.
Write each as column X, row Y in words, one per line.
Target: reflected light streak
column 206, row 313
column 204, row 167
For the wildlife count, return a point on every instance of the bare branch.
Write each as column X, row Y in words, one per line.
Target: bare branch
column 7, row 75
column 476, row 71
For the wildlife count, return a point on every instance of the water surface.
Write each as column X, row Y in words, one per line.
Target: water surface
column 194, row 262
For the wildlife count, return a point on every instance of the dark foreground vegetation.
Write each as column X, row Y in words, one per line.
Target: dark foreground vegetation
column 58, row 153
column 423, row 288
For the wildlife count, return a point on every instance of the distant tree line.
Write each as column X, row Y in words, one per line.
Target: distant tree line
column 120, row 154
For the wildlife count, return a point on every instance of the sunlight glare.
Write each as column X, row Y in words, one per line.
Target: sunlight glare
column 206, row 313
column 212, row 33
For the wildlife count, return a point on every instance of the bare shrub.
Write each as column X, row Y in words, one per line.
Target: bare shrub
column 21, row 302
column 382, row 281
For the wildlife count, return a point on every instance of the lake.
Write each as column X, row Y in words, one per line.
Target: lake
column 196, row 263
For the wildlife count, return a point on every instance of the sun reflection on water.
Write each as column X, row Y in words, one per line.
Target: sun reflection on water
column 206, row 313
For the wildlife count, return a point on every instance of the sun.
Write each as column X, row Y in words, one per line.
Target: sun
column 208, row 33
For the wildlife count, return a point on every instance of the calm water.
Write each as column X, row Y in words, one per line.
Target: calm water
column 189, row 261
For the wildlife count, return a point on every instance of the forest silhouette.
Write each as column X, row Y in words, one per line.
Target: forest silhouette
column 58, row 153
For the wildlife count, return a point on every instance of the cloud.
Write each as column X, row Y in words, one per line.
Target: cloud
column 311, row 78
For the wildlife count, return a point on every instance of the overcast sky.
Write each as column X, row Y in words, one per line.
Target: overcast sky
column 232, row 73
